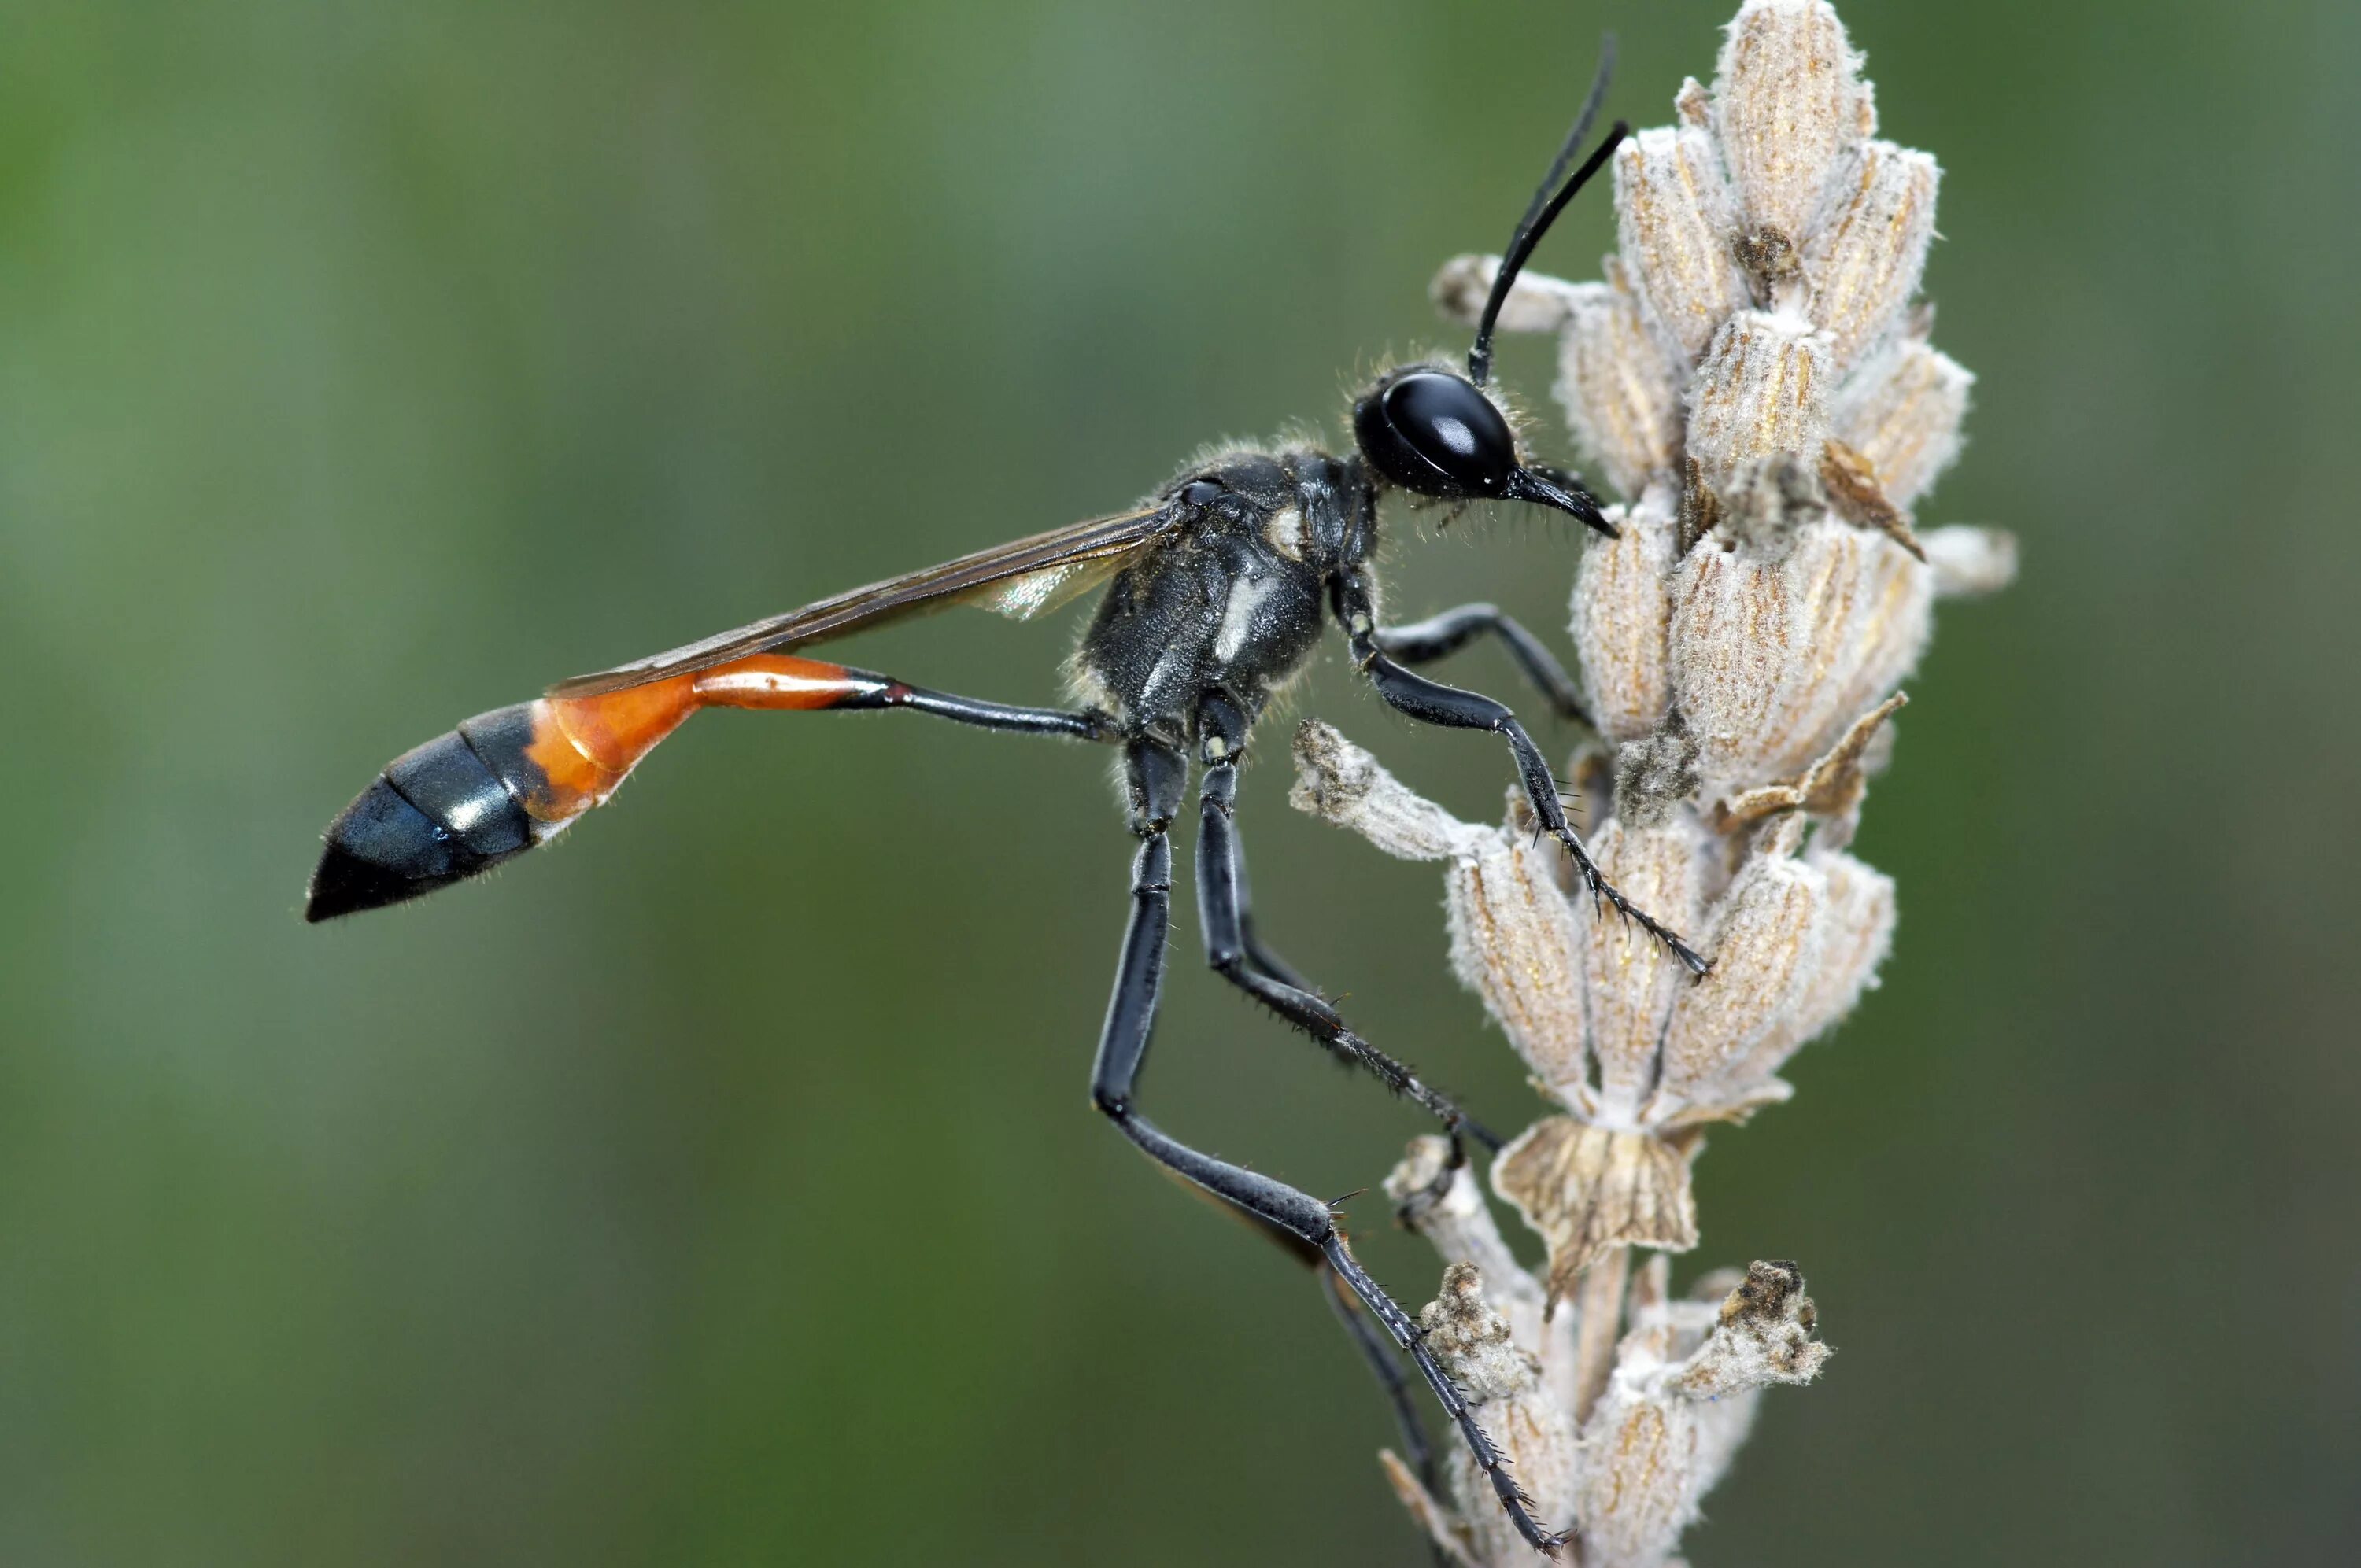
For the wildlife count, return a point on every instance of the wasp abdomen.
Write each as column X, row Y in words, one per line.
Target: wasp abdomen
column 506, row 780
column 436, row 815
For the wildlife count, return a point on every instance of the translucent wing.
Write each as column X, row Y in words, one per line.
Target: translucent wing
column 1038, row 593
column 1023, row 578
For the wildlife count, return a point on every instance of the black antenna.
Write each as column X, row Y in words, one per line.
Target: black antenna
column 1543, row 209
column 1591, row 104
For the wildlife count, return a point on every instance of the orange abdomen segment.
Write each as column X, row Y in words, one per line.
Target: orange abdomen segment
column 583, row 746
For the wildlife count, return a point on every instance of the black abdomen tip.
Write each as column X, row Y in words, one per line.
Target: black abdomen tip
column 435, row 815
column 381, row 850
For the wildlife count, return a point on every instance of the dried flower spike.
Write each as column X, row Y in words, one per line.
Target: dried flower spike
column 1753, row 374
column 1640, row 1058
column 1679, row 1390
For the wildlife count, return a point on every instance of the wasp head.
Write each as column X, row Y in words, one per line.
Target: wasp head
column 1434, row 433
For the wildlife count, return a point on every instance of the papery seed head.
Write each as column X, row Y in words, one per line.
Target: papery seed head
column 1621, row 614
column 1901, row 411
column 1753, row 374
column 1775, row 655
column 1618, row 386
column 1512, row 943
column 1767, row 941
column 1629, row 982
column 1870, row 248
column 1673, row 225
column 1761, row 391
column 1788, row 104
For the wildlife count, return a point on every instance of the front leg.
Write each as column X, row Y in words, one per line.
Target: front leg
column 1229, row 952
column 1431, row 702
column 1445, row 634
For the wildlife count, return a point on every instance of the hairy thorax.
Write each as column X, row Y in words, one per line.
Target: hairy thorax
column 1231, row 604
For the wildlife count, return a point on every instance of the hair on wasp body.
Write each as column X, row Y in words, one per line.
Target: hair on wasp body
column 1213, row 592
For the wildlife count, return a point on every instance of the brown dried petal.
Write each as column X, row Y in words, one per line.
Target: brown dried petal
column 1855, row 496
column 1618, row 386
column 1788, row 103
column 1585, row 1190
column 1865, row 260
column 1630, row 982
column 1673, row 224
column 1833, row 786
column 1901, row 411
column 1620, row 611
column 1761, row 391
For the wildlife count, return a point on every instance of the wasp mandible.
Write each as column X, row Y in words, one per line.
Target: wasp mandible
column 1213, row 596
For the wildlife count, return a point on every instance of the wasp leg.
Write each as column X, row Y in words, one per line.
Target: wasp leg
column 1431, row 702
column 1438, row 636
column 1086, row 723
column 1158, row 776
column 1221, row 915
column 1377, row 1351
column 1258, row 951
column 1380, row 1356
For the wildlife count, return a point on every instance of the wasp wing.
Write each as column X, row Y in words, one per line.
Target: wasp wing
column 1035, row 594
column 1023, row 578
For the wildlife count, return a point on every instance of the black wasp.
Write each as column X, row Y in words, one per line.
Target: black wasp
column 1215, row 592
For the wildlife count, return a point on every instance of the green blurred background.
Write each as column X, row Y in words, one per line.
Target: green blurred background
column 720, row 1187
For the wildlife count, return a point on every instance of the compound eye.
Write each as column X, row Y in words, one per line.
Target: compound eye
column 1203, row 492
column 1434, row 433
